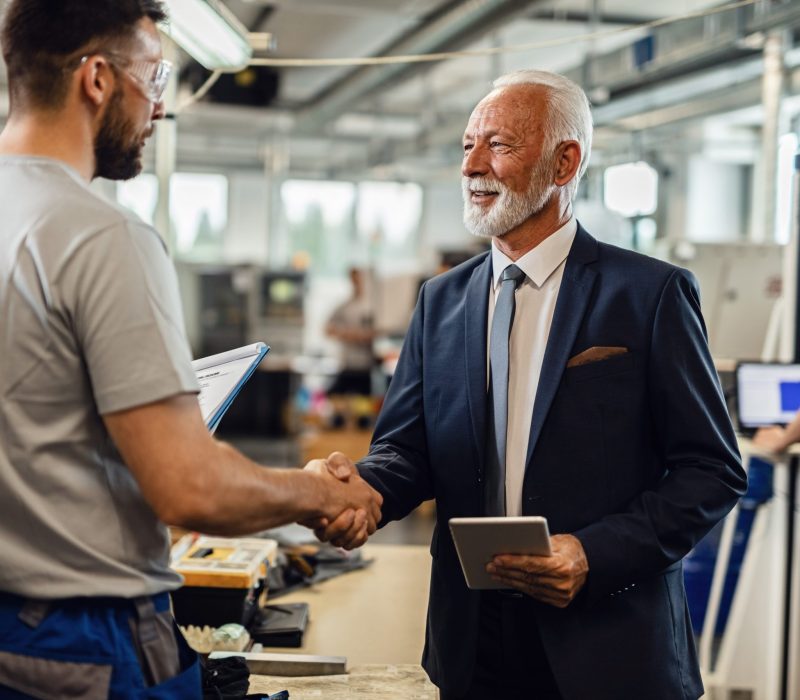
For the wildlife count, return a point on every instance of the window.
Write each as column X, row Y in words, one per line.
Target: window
column 198, row 210
column 333, row 226
column 387, row 219
column 631, row 189
column 140, row 195
column 318, row 220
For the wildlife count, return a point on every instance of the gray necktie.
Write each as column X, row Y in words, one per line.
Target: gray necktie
column 498, row 392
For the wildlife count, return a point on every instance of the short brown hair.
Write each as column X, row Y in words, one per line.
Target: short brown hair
column 38, row 37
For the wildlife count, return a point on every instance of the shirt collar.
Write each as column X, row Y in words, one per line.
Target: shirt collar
column 538, row 264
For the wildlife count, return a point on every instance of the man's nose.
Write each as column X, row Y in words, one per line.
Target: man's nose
column 474, row 162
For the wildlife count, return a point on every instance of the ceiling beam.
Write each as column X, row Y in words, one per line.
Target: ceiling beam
column 573, row 16
column 456, row 26
column 261, row 18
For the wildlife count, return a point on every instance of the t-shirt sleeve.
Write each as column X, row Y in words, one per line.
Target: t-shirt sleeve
column 122, row 290
column 339, row 315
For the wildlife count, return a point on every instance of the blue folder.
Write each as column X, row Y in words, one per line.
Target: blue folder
column 260, row 350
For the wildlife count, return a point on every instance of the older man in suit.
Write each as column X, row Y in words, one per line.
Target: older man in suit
column 561, row 377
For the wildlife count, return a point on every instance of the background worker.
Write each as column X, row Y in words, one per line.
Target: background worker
column 352, row 325
column 777, row 438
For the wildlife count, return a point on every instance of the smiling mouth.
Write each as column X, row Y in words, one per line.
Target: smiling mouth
column 482, row 195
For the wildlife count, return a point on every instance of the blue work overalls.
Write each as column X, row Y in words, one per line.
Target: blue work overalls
column 94, row 648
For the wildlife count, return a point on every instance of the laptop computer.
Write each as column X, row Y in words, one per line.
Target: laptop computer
column 767, row 393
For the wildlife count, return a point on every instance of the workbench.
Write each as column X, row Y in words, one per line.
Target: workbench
column 376, row 618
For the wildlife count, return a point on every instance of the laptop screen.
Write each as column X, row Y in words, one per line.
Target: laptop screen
column 767, row 393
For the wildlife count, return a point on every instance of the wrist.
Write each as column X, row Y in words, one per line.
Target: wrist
column 315, row 499
column 784, row 440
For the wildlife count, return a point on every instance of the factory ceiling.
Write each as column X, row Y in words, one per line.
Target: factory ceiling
column 405, row 120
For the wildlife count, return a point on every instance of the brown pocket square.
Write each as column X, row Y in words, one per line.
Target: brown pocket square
column 595, row 354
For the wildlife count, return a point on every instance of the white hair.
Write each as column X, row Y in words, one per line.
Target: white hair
column 569, row 114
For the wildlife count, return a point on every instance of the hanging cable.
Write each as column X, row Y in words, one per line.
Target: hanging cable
column 489, row 51
column 449, row 55
column 201, row 92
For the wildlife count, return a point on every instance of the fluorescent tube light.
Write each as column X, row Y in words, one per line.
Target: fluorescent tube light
column 209, row 33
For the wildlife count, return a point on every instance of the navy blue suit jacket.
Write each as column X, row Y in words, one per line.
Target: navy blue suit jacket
column 634, row 455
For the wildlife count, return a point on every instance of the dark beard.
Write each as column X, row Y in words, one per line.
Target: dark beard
column 115, row 158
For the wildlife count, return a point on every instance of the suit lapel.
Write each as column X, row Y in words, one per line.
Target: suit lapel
column 573, row 297
column 476, row 309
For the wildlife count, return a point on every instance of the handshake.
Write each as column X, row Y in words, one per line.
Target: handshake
column 350, row 507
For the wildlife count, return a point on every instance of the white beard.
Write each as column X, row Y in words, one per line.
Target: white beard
column 510, row 209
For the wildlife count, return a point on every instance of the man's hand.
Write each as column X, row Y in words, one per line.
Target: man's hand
column 555, row 580
column 348, row 528
column 772, row 439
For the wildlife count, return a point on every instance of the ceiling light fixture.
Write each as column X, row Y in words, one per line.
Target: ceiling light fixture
column 209, row 33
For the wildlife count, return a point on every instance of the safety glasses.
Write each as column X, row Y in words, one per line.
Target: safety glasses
column 151, row 77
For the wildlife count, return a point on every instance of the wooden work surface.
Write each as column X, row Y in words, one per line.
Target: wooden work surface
column 318, row 444
column 376, row 618
column 372, row 616
column 372, row 682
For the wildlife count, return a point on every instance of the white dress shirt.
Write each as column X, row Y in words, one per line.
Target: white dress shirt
column 535, row 304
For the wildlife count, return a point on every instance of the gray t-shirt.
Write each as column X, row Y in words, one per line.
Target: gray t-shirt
column 355, row 315
column 90, row 323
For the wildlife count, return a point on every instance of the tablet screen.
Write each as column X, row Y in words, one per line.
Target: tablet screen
column 478, row 540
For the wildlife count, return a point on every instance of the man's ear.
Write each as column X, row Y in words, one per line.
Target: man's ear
column 568, row 161
column 97, row 79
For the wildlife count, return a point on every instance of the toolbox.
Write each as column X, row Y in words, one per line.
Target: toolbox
column 224, row 580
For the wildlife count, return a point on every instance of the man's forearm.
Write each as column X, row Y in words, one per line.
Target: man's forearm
column 230, row 495
column 192, row 480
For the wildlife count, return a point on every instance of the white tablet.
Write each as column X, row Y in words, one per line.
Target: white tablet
column 478, row 540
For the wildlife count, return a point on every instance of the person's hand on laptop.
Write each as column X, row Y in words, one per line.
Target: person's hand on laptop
column 772, row 439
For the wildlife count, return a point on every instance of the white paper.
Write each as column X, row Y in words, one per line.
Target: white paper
column 224, row 357
column 219, row 375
